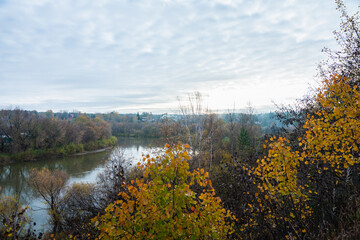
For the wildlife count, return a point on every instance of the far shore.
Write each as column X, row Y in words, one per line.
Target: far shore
column 11, row 161
column 90, row 152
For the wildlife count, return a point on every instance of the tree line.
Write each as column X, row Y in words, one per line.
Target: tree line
column 25, row 135
column 30, row 134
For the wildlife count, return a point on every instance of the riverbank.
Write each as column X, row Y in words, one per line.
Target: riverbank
column 91, row 152
column 56, row 152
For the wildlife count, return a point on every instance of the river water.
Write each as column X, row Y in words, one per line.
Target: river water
column 84, row 168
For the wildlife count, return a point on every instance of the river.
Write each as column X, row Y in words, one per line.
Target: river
column 83, row 168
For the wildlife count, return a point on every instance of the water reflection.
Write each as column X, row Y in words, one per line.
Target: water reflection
column 84, row 168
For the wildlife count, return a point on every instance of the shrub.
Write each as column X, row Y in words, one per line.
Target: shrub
column 163, row 205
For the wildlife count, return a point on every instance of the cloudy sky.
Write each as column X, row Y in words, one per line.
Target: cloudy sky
column 141, row 55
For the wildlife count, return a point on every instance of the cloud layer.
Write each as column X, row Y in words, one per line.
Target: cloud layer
column 129, row 56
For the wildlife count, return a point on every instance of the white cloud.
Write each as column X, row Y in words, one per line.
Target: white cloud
column 95, row 52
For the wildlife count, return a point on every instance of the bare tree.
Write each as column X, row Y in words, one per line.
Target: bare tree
column 50, row 185
column 16, row 127
column 346, row 61
column 212, row 133
column 112, row 180
column 193, row 117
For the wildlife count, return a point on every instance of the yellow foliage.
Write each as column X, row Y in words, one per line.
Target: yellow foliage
column 331, row 138
column 279, row 171
column 162, row 205
column 334, row 138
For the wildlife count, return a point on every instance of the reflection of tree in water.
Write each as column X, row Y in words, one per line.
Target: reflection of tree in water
column 139, row 142
column 77, row 165
column 14, row 177
column 134, row 147
column 13, row 182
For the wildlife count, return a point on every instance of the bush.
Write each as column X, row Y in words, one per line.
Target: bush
column 163, row 205
column 71, row 148
column 4, row 158
column 82, row 201
column 13, row 218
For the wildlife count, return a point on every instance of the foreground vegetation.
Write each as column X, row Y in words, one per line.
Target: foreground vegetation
column 231, row 180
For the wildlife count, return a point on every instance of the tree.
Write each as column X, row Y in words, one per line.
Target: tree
column 193, row 121
column 343, row 62
column 212, row 134
column 83, row 201
column 233, row 129
column 87, row 128
column 333, row 136
column 80, row 203
column 331, row 150
column 51, row 133
column 244, row 141
column 346, row 61
column 13, row 218
column 103, row 128
column 50, row 185
column 170, row 130
column 319, row 179
column 284, row 200
column 111, row 181
column 163, row 205
column 16, row 128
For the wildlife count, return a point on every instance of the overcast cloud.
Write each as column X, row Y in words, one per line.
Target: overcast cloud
column 140, row 55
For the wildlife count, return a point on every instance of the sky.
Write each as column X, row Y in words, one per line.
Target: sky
column 147, row 55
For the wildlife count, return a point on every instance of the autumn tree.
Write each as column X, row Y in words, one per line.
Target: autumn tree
column 103, row 128
column 23, row 133
column 87, row 127
column 170, row 129
column 331, row 148
column 307, row 183
column 73, row 134
column 13, row 218
column 344, row 61
column 318, row 180
column 162, row 204
column 16, row 129
column 50, row 133
column 284, row 198
column 83, row 201
column 49, row 185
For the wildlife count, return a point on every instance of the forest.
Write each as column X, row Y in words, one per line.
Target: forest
column 218, row 176
column 28, row 135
